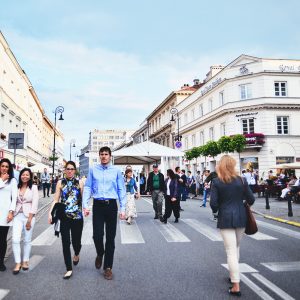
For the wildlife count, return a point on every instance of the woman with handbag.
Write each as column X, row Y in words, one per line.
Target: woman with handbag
column 24, row 219
column 69, row 191
column 131, row 193
column 227, row 198
column 8, row 200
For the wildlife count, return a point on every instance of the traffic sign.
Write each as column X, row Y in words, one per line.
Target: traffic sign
column 178, row 144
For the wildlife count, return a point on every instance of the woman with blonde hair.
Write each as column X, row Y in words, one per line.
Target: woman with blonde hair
column 228, row 193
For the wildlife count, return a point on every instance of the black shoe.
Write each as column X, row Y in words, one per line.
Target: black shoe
column 75, row 262
column 156, row 217
column 238, row 294
column 181, row 209
column 163, row 220
column 98, row 262
column 68, row 276
column 176, row 220
column 2, row 268
column 17, row 271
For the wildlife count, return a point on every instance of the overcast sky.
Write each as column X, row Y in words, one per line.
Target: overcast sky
column 110, row 63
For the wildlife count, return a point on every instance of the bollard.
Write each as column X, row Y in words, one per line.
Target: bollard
column 290, row 209
column 267, row 198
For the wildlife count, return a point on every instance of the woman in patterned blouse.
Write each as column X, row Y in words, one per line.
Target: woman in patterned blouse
column 69, row 192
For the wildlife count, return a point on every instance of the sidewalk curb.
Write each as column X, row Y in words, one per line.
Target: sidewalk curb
column 293, row 223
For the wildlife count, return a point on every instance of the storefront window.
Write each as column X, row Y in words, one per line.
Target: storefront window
column 284, row 159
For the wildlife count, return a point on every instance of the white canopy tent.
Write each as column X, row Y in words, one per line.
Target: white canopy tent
column 39, row 168
column 295, row 165
column 145, row 153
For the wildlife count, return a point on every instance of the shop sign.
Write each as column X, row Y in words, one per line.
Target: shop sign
column 289, row 68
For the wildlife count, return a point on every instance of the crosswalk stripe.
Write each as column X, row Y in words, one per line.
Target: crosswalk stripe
column 3, row 293
column 244, row 268
column 261, row 236
column 34, row 261
column 282, row 294
column 211, row 233
column 282, row 230
column 171, row 233
column 130, row 234
column 283, row 266
column 46, row 238
column 87, row 233
column 255, row 288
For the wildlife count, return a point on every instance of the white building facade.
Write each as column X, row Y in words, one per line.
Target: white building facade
column 250, row 96
column 21, row 112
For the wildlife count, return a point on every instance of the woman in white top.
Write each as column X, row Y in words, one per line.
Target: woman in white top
column 24, row 218
column 8, row 197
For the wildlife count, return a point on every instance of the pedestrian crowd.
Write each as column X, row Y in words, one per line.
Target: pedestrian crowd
column 106, row 185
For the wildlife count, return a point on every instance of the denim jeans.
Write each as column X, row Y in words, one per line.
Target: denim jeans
column 205, row 194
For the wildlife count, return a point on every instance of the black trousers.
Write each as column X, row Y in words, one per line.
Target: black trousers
column 171, row 206
column 46, row 186
column 3, row 242
column 105, row 213
column 74, row 226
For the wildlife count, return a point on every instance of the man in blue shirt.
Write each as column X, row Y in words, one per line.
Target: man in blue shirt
column 105, row 184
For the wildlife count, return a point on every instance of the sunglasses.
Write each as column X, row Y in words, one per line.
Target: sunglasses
column 70, row 169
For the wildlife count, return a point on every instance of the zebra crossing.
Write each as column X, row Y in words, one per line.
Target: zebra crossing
column 132, row 234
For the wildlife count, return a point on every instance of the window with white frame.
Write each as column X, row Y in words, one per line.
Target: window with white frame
column 193, row 140
column 185, row 118
column 193, row 114
column 248, row 125
column 222, row 129
column 210, row 104
column 221, row 98
column 200, row 110
column 280, row 88
column 283, row 125
column 186, row 143
column 211, row 133
column 245, row 91
column 201, row 138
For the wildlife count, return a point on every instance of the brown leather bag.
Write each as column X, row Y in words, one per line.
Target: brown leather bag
column 251, row 226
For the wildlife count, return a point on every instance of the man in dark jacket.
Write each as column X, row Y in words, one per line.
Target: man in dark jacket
column 156, row 186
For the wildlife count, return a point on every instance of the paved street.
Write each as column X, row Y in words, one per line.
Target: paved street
column 157, row 261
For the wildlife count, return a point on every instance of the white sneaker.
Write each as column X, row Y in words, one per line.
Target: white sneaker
column 128, row 220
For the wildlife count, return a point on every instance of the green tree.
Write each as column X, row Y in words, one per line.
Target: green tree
column 225, row 144
column 212, row 148
column 238, row 144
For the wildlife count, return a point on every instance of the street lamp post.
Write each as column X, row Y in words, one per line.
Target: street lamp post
column 72, row 144
column 60, row 110
column 174, row 112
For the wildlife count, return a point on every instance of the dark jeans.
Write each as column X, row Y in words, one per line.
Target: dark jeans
column 75, row 226
column 46, row 186
column 182, row 190
column 171, row 206
column 3, row 242
column 105, row 212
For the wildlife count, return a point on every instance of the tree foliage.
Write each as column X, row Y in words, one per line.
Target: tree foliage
column 238, row 142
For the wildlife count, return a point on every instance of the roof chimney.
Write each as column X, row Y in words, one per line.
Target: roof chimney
column 196, row 81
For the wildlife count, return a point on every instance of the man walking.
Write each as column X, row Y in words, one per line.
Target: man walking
column 105, row 184
column 181, row 186
column 156, row 186
column 46, row 182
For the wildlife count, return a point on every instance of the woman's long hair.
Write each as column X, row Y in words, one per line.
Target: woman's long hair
column 171, row 174
column 10, row 168
column 226, row 169
column 30, row 182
